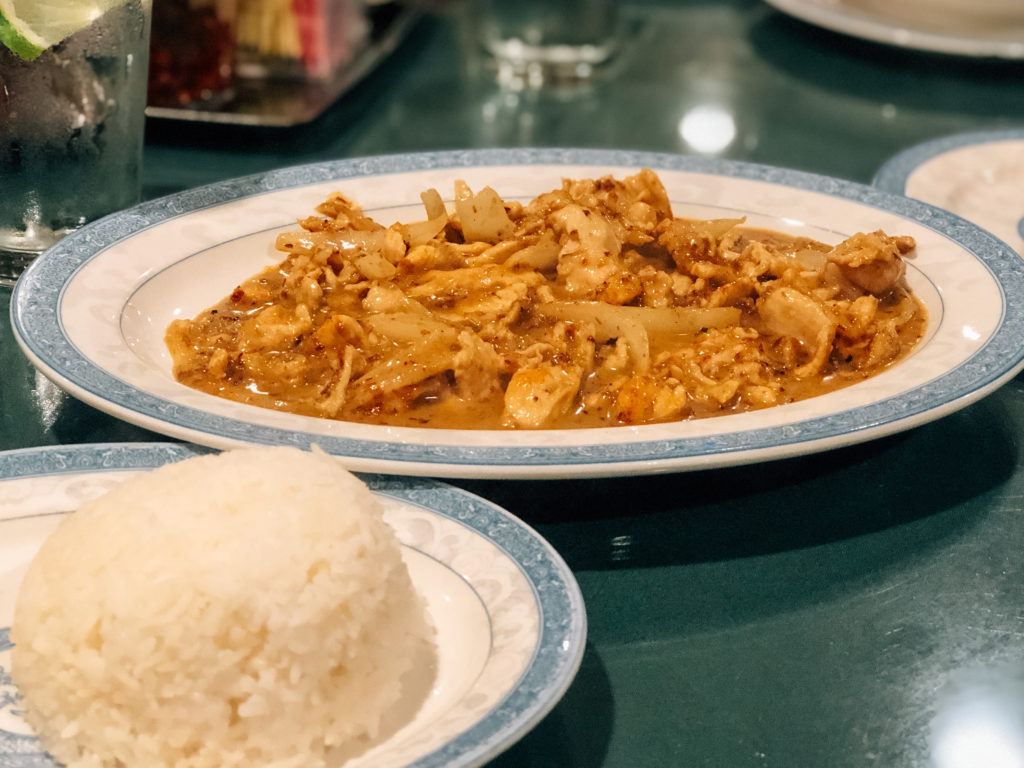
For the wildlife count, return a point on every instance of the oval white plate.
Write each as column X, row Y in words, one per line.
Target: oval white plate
column 924, row 31
column 978, row 175
column 91, row 313
column 510, row 620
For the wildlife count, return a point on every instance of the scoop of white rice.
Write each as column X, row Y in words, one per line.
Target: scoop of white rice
column 244, row 609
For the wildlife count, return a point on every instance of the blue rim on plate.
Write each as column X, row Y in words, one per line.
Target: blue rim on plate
column 562, row 625
column 894, row 173
column 35, row 317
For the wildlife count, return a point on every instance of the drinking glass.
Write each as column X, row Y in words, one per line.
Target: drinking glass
column 71, row 130
column 539, row 41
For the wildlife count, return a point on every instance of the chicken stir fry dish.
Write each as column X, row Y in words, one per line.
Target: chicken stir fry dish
column 589, row 306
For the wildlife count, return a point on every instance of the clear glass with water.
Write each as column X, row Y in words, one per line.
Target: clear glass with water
column 549, row 40
column 71, row 130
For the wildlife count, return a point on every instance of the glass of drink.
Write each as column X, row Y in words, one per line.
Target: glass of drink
column 539, row 41
column 72, row 101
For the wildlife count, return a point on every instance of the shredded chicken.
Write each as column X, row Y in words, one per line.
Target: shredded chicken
column 591, row 305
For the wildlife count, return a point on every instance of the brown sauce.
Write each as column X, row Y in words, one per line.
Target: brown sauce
column 589, row 307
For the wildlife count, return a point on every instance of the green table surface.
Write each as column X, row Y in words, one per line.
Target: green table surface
column 863, row 607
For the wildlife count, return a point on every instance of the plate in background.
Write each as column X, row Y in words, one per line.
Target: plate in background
column 918, row 25
column 977, row 175
column 511, row 625
column 91, row 313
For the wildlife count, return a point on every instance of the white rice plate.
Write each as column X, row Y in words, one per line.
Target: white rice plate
column 243, row 609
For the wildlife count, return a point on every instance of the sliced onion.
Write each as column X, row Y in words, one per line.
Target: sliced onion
column 433, row 204
column 421, row 232
column 483, row 217
column 659, row 320
column 409, row 327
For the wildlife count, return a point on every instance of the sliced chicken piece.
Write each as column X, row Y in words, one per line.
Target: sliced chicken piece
column 273, row 328
column 643, row 398
column 217, row 367
column 346, row 213
column 537, row 396
column 659, row 287
column 444, row 288
column 277, row 370
column 340, row 331
column 648, row 190
column 857, row 317
column 621, row 289
column 733, row 293
column 334, row 399
column 423, row 258
column 590, row 255
column 476, row 366
column 693, row 240
column 308, row 291
column 482, row 308
column 885, row 345
column 872, row 261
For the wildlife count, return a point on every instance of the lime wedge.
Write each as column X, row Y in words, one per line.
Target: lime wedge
column 29, row 27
